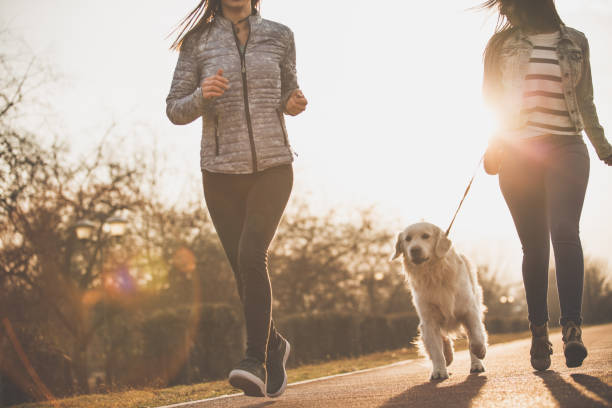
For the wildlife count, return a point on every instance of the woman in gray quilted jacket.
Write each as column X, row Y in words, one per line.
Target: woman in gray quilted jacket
column 237, row 72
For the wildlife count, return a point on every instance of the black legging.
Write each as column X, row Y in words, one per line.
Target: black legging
column 246, row 210
column 544, row 182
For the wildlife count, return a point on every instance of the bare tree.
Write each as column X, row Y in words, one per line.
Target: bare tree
column 596, row 294
column 320, row 263
column 41, row 197
column 43, row 191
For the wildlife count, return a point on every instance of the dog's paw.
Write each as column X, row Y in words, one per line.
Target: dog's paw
column 478, row 349
column 477, row 367
column 439, row 374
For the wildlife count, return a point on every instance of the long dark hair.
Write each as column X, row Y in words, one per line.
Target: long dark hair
column 202, row 14
column 536, row 15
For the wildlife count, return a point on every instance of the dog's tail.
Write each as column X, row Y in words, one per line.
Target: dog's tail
column 418, row 342
column 476, row 288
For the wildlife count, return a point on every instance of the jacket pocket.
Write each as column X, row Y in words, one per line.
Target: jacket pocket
column 216, row 135
column 281, row 121
column 575, row 60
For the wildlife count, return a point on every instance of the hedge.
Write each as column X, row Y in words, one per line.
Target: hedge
column 328, row 336
column 190, row 345
column 219, row 342
column 180, row 349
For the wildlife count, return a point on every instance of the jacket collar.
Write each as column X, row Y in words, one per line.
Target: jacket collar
column 254, row 20
column 566, row 36
column 563, row 36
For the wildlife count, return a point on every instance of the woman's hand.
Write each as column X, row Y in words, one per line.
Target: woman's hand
column 608, row 160
column 215, row 85
column 493, row 156
column 296, row 103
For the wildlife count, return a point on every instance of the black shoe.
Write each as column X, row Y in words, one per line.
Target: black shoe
column 573, row 348
column 250, row 377
column 275, row 367
column 541, row 347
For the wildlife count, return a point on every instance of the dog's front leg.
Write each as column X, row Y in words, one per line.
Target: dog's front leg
column 432, row 339
column 478, row 343
column 476, row 365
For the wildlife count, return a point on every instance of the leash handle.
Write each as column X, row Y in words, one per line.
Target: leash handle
column 464, row 195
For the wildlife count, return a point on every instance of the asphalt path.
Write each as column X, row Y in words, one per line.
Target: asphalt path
column 509, row 381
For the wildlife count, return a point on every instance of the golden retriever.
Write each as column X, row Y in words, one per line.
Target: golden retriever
column 445, row 293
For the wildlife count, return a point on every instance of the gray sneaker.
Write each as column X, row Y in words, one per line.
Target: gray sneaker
column 573, row 348
column 250, row 377
column 541, row 347
column 275, row 367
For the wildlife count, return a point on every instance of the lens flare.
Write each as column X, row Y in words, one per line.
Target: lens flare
column 138, row 281
column 120, row 281
column 184, row 261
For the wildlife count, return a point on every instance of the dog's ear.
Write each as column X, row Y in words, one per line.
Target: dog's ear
column 398, row 247
column 443, row 244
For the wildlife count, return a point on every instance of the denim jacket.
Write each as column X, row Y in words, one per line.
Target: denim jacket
column 243, row 131
column 504, row 78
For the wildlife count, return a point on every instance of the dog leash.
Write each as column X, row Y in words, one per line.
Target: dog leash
column 464, row 195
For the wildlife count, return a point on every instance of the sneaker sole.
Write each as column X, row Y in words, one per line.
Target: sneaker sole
column 574, row 355
column 284, row 386
column 250, row 384
column 540, row 364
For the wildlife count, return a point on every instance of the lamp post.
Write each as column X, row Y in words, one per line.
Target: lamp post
column 115, row 227
column 84, row 231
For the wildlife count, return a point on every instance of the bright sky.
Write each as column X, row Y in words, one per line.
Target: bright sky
column 395, row 117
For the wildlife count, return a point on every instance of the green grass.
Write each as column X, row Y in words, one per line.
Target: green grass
column 166, row 396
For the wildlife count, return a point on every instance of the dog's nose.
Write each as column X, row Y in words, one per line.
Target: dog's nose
column 416, row 252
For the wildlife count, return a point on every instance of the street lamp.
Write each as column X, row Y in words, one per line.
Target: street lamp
column 116, row 226
column 84, row 229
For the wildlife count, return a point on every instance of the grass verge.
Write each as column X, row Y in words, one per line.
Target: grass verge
column 167, row 396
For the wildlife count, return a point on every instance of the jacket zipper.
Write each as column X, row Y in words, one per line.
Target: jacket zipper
column 282, row 125
column 246, row 95
column 217, row 135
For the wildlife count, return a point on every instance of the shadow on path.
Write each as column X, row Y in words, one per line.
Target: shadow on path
column 435, row 394
column 595, row 385
column 569, row 396
column 261, row 404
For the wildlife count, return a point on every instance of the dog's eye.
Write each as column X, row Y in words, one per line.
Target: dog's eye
column 425, row 236
column 408, row 238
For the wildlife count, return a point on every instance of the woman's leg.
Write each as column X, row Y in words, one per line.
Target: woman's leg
column 566, row 182
column 226, row 198
column 522, row 184
column 265, row 205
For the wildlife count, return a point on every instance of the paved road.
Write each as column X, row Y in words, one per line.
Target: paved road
column 508, row 382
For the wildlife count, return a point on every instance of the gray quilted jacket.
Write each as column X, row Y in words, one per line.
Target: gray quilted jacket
column 243, row 131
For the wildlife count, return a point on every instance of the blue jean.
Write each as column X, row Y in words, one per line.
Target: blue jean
column 544, row 183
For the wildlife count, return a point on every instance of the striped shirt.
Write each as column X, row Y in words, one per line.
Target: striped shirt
column 543, row 100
